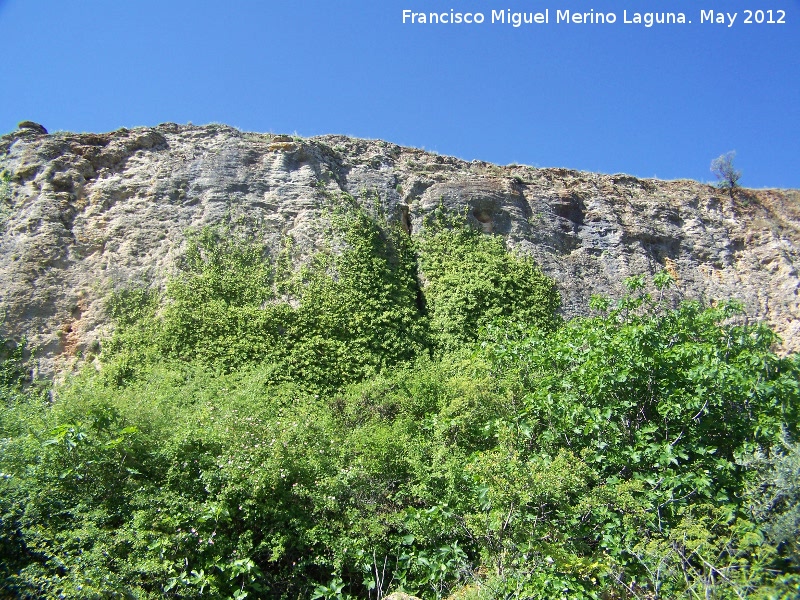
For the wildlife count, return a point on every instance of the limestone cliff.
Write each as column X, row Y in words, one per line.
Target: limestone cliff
column 83, row 214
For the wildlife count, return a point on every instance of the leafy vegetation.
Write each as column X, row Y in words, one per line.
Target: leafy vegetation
column 6, row 209
column 726, row 173
column 343, row 430
column 13, row 374
column 472, row 280
column 344, row 317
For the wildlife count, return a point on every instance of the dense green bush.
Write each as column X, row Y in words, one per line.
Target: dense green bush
column 355, row 309
column 471, row 280
column 344, row 431
column 775, row 496
column 14, row 371
column 343, row 317
column 659, row 407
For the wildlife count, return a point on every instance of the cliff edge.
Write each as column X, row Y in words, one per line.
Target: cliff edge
column 84, row 214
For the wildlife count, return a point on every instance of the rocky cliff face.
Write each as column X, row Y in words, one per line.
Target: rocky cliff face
column 83, row 214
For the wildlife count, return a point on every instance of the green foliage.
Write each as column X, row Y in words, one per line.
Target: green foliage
column 660, row 405
column 354, row 310
column 775, row 497
column 726, row 173
column 219, row 309
column 341, row 432
column 131, row 305
column 5, row 188
column 358, row 310
column 472, row 280
column 14, row 373
column 224, row 485
column 6, row 207
column 343, row 317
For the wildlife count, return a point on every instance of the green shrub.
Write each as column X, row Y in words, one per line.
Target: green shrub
column 14, row 371
column 471, row 280
column 355, row 309
column 352, row 441
column 343, row 317
column 660, row 405
column 775, row 496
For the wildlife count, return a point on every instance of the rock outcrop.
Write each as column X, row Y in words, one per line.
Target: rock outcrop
column 84, row 214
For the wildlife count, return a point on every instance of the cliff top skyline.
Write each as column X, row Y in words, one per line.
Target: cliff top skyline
column 599, row 89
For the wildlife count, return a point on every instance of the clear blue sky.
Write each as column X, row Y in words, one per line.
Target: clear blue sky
column 659, row 101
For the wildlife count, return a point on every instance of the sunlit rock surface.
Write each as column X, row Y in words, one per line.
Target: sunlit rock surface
column 85, row 214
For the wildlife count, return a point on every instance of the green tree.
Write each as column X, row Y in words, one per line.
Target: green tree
column 726, row 173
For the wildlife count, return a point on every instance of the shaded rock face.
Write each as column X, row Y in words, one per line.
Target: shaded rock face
column 85, row 214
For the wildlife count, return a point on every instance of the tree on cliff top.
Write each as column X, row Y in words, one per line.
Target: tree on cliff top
column 723, row 169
